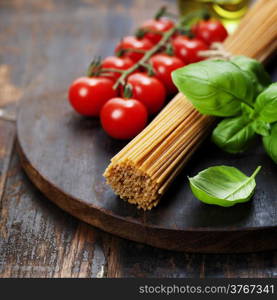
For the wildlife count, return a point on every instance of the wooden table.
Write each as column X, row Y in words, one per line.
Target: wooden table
column 44, row 45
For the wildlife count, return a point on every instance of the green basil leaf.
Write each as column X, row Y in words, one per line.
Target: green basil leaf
column 234, row 135
column 215, row 87
column 223, row 185
column 270, row 143
column 247, row 111
column 266, row 104
column 261, row 127
column 255, row 70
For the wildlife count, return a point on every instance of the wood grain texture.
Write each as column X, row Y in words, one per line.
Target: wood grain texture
column 7, row 136
column 65, row 156
column 38, row 240
column 137, row 260
column 34, row 36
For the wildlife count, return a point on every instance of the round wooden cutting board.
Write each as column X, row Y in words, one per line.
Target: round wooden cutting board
column 65, row 155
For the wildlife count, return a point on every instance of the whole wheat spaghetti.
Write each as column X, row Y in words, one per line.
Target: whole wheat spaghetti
column 142, row 171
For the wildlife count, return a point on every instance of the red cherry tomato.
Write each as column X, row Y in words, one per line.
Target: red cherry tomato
column 114, row 62
column 148, row 90
column 131, row 42
column 210, row 31
column 123, row 118
column 87, row 95
column 163, row 65
column 187, row 48
column 161, row 25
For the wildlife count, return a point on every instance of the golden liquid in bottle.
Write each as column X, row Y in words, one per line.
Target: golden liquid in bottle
column 229, row 12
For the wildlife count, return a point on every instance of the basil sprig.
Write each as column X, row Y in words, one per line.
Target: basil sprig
column 238, row 88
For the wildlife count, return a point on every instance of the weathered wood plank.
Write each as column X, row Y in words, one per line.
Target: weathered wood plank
column 39, row 240
column 7, row 135
column 136, row 260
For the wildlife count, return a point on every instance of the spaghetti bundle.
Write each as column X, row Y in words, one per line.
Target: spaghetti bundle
column 142, row 171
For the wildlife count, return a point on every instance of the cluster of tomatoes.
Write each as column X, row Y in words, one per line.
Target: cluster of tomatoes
column 124, row 115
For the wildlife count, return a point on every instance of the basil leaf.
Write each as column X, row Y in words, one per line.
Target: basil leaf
column 261, row 127
column 234, row 135
column 247, row 111
column 215, row 87
column 223, row 185
column 270, row 143
column 266, row 104
column 255, row 70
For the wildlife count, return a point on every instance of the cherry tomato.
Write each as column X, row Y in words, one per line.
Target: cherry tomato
column 161, row 25
column 131, row 42
column 148, row 90
column 114, row 62
column 123, row 118
column 163, row 65
column 210, row 31
column 87, row 95
column 187, row 48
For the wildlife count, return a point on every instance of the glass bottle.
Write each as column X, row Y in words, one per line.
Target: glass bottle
column 229, row 12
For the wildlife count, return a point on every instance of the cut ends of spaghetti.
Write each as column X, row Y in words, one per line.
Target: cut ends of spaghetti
column 144, row 169
column 133, row 185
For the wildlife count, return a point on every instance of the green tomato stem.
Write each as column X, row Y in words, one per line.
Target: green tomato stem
column 128, row 91
column 149, row 68
column 165, row 37
column 161, row 12
column 145, row 58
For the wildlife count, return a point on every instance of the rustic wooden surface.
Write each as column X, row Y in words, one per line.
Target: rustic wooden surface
column 36, row 238
column 65, row 156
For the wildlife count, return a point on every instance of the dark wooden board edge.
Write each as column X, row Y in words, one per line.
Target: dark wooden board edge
column 199, row 241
